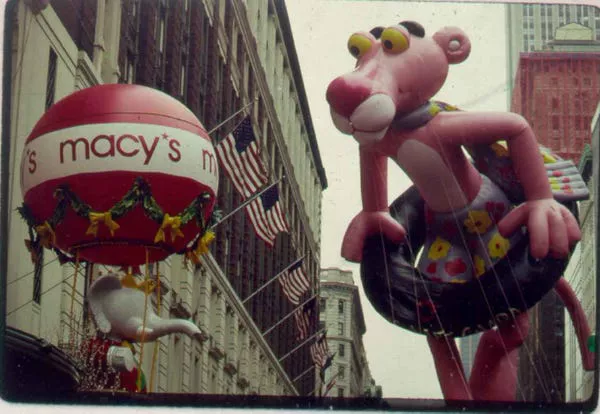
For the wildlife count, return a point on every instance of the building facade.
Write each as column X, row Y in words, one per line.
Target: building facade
column 556, row 90
column 530, row 27
column 581, row 274
column 342, row 317
column 215, row 57
column 467, row 346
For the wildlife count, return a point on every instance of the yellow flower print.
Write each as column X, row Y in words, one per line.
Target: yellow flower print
column 498, row 246
column 458, row 281
column 439, row 248
column 478, row 221
column 499, row 149
column 479, row 265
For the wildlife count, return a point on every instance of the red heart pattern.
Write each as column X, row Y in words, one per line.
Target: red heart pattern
column 455, row 267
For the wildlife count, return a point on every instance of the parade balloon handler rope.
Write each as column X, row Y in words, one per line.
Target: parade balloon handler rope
column 42, row 233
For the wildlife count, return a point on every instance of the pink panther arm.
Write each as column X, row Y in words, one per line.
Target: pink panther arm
column 552, row 228
column 472, row 128
column 375, row 217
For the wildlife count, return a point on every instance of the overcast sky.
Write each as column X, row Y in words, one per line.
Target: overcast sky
column 399, row 360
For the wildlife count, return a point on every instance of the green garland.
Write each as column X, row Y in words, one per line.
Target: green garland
column 139, row 194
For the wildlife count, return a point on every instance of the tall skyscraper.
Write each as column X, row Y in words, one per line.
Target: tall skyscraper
column 553, row 67
column 342, row 316
column 531, row 26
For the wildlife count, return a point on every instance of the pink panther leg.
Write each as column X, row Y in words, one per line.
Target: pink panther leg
column 494, row 373
column 449, row 368
column 582, row 328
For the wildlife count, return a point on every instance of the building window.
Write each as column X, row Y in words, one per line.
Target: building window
column 51, row 79
column 341, row 306
column 341, row 372
column 554, row 104
column 340, row 392
column 322, row 304
column 134, row 8
column 321, row 325
column 555, row 122
column 161, row 30
column 341, row 350
column 341, row 328
column 182, row 82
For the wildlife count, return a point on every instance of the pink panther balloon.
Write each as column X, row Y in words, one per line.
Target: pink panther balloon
column 472, row 220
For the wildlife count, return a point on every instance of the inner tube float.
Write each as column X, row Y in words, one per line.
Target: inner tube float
column 407, row 298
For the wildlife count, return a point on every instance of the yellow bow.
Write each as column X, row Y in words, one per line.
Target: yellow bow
column 194, row 255
column 46, row 235
column 147, row 286
column 97, row 218
column 174, row 223
column 205, row 240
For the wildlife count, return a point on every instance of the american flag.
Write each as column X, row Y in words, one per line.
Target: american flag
column 319, row 351
column 294, row 282
column 304, row 318
column 239, row 154
column 266, row 215
column 326, row 364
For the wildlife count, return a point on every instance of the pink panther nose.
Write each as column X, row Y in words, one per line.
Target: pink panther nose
column 345, row 95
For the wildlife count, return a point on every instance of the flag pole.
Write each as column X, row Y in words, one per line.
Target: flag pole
column 288, row 315
column 246, row 202
column 272, row 280
column 304, row 373
column 236, row 113
column 330, row 383
column 300, row 346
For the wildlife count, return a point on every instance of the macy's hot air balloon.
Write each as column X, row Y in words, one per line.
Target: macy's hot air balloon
column 118, row 174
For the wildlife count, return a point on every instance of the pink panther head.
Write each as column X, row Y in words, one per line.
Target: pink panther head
column 398, row 69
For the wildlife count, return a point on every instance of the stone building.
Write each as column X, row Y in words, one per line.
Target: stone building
column 342, row 316
column 582, row 274
column 557, row 91
column 215, row 57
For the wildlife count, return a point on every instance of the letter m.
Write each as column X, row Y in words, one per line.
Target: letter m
column 209, row 158
column 73, row 144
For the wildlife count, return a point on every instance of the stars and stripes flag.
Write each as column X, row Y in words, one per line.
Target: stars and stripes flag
column 266, row 215
column 319, row 350
column 304, row 317
column 294, row 282
column 326, row 364
column 239, row 154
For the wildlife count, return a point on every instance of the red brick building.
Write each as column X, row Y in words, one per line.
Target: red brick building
column 557, row 92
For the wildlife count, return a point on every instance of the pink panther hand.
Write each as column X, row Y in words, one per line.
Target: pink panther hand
column 366, row 224
column 551, row 226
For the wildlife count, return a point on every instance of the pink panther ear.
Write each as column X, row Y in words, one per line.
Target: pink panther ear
column 454, row 42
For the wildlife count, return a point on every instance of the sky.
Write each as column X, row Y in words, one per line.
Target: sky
column 399, row 360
